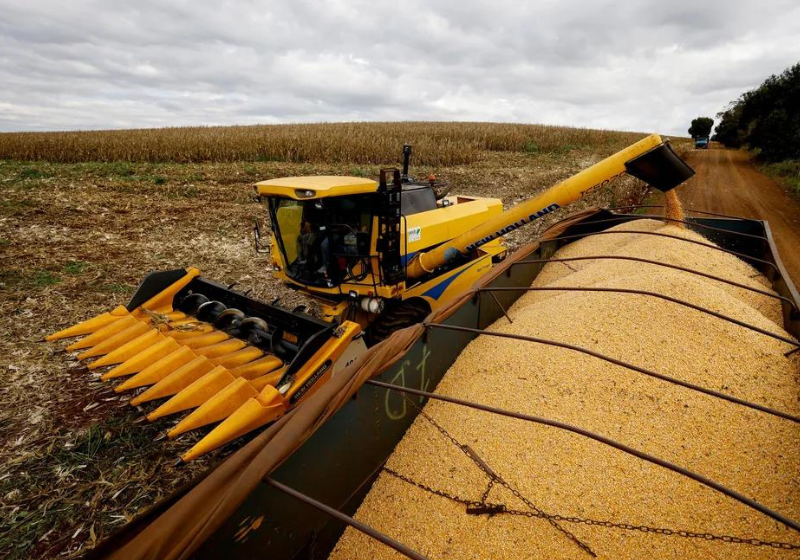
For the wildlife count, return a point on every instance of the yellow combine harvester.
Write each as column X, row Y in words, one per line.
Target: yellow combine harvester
column 379, row 256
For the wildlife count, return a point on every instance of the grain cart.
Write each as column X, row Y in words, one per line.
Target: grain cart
column 379, row 256
column 274, row 496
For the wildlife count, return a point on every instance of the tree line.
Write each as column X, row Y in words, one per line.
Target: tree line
column 766, row 119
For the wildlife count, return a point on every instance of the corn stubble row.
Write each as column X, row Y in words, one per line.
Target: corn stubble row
column 559, row 472
column 361, row 143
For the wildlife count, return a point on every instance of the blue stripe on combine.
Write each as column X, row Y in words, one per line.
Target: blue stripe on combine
column 436, row 291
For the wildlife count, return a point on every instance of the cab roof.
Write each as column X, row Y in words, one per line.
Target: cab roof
column 319, row 186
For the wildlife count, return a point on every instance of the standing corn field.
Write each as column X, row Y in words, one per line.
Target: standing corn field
column 363, row 143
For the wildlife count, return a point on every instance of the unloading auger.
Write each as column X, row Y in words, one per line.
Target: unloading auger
column 379, row 256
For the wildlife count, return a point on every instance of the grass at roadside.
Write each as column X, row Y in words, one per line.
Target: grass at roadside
column 787, row 172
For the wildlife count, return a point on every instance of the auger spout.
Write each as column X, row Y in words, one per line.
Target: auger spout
column 650, row 159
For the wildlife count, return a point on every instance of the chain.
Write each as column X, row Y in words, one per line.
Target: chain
column 485, row 495
column 478, row 507
column 494, row 478
column 494, row 509
column 664, row 531
column 434, row 491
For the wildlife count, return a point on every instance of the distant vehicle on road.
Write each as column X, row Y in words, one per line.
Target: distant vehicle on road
column 701, row 143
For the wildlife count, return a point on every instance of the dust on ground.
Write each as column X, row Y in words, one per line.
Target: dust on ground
column 75, row 240
column 728, row 183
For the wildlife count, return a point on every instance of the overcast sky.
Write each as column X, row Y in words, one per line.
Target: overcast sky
column 645, row 66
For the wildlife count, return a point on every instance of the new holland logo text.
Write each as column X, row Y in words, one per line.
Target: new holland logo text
column 310, row 382
column 603, row 183
column 538, row 214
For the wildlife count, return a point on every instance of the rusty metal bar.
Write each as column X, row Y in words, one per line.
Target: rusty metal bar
column 620, row 363
column 658, row 234
column 666, row 265
column 493, row 477
column 481, row 463
column 602, row 439
column 624, row 219
column 500, row 305
column 645, row 293
column 488, row 509
column 336, row 514
column 692, row 210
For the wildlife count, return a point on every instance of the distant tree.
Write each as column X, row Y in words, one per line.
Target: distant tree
column 771, row 116
column 701, row 126
column 766, row 119
column 727, row 130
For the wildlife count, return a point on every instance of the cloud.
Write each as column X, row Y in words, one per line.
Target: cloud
column 621, row 65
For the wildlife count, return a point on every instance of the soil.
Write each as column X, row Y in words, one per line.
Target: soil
column 728, row 183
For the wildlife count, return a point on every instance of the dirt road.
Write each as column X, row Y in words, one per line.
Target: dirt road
column 727, row 183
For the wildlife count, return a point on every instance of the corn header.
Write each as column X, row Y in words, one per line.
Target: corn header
column 378, row 256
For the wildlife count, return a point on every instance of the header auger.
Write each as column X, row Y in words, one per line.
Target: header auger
column 379, row 256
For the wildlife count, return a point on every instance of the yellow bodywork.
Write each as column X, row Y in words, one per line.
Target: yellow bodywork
column 244, row 406
column 577, row 186
column 317, row 186
column 193, row 366
column 197, row 367
column 469, row 227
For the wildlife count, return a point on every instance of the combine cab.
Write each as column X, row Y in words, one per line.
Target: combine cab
column 347, row 242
